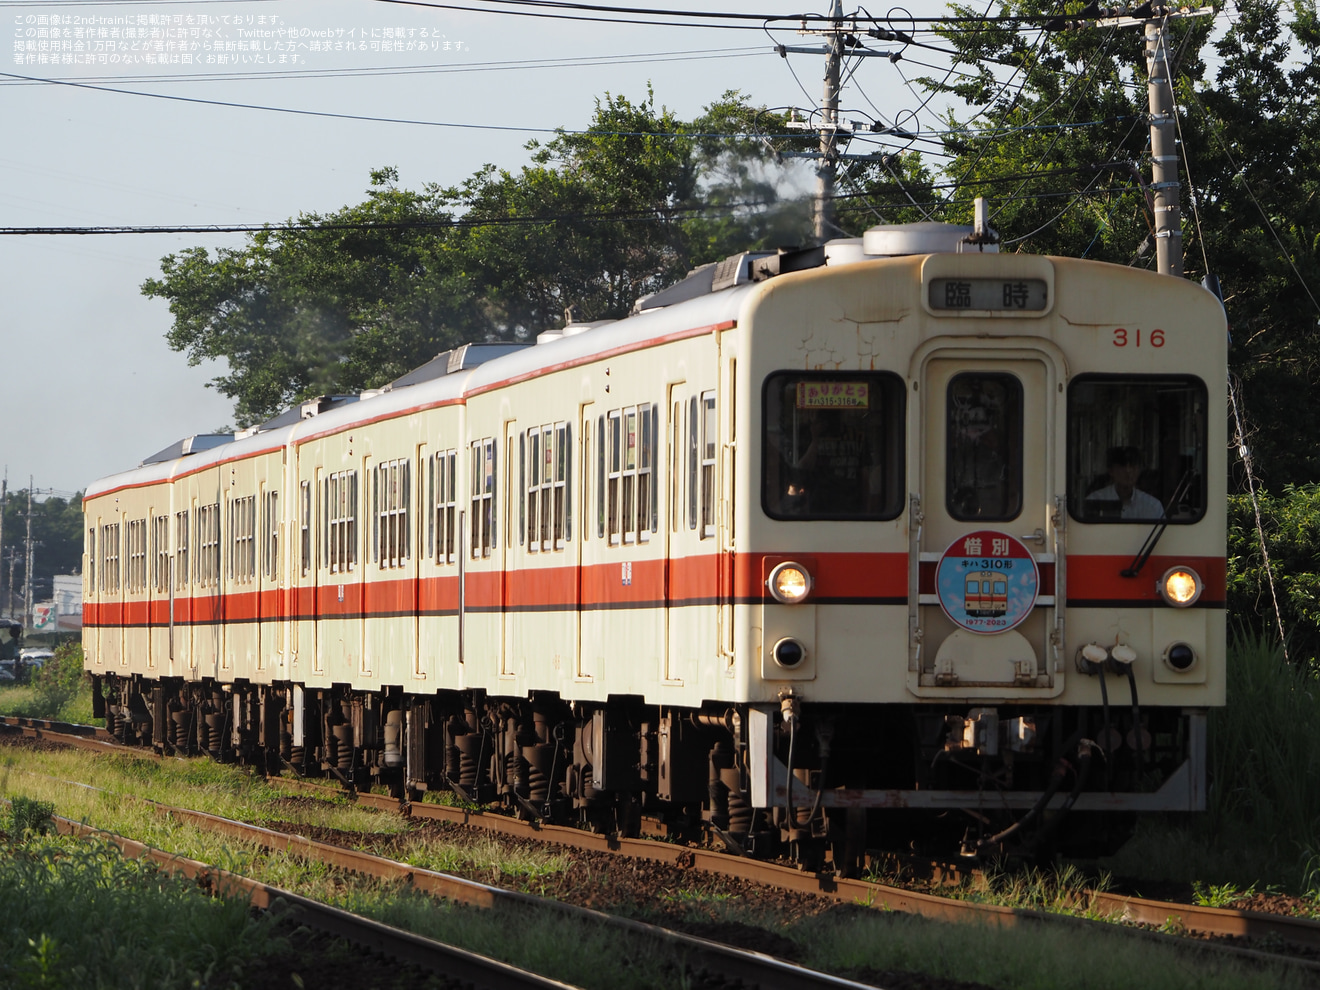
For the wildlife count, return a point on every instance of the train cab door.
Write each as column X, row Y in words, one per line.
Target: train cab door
column 987, row 456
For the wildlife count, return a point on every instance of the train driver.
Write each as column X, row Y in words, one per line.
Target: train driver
column 1121, row 498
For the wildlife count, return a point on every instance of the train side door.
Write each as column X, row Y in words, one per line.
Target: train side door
column 988, row 463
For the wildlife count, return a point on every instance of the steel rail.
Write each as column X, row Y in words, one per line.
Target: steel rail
column 752, row 968
column 1223, row 922
column 426, row 953
column 1227, row 922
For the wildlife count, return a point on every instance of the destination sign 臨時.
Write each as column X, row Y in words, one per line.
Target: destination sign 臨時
column 994, row 294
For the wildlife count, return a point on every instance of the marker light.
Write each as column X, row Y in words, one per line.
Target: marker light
column 789, row 582
column 789, row 653
column 1180, row 656
column 1180, row 586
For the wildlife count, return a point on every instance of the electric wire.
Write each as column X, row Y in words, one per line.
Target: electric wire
column 1240, row 175
column 715, row 26
column 381, row 120
column 1085, row 86
column 649, row 215
column 1187, row 165
column 731, row 15
column 1054, row 219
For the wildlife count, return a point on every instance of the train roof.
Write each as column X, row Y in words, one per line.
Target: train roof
column 710, row 296
column 428, row 387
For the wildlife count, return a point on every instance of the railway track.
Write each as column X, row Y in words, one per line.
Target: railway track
column 1225, row 923
column 1210, row 921
column 716, row 964
column 457, row 964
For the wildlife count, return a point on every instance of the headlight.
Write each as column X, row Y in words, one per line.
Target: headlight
column 789, row 582
column 1180, row 586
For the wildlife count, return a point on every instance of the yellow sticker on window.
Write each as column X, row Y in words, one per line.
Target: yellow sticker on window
column 833, row 395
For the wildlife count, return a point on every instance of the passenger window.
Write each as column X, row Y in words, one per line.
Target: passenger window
column 692, row 463
column 600, row 477
column 1136, row 448
column 444, row 502
column 833, row 446
column 391, row 501
column 983, row 448
column 305, row 525
column 483, row 498
column 709, row 444
column 546, row 483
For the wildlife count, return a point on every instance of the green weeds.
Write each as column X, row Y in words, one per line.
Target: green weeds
column 1219, row 895
column 57, row 690
column 1022, row 957
column 1261, row 829
column 90, row 918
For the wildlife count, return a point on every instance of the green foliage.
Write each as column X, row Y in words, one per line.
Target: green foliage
column 1291, row 522
column 57, row 524
column 1263, row 756
column 84, row 916
column 59, row 680
column 28, row 815
column 1262, row 821
column 1061, row 151
column 355, row 298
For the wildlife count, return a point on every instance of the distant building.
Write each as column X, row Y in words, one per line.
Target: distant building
column 67, row 602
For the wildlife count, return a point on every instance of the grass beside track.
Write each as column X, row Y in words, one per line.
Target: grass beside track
column 79, row 914
column 1261, row 828
column 856, row 941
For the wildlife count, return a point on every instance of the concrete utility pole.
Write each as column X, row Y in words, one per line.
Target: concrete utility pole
column 840, row 37
column 823, row 207
column 9, row 598
column 1163, row 151
column 1164, row 185
column 27, row 565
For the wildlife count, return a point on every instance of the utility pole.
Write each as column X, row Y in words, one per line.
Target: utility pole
column 1163, row 151
column 27, row 565
column 9, row 598
column 823, row 207
column 1164, row 184
column 840, row 37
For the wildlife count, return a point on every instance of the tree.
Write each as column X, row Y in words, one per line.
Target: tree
column 57, row 526
column 353, row 299
column 339, row 303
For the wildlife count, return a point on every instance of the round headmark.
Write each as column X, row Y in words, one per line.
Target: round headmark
column 987, row 581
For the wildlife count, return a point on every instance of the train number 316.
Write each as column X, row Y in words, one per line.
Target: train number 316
column 1124, row 337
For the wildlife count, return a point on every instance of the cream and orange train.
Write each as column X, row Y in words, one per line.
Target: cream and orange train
column 712, row 562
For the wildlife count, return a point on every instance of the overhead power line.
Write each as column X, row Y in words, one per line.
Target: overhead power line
column 545, row 15
column 369, row 118
column 638, row 215
column 731, row 15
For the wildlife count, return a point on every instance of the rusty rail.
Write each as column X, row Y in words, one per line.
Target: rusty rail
column 372, row 935
column 1133, row 910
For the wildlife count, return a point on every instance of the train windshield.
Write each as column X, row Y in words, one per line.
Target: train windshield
column 983, row 466
column 833, row 446
column 1136, row 448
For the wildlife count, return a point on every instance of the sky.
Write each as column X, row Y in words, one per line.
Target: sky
column 92, row 387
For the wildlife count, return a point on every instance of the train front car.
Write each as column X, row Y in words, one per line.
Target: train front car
column 981, row 563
